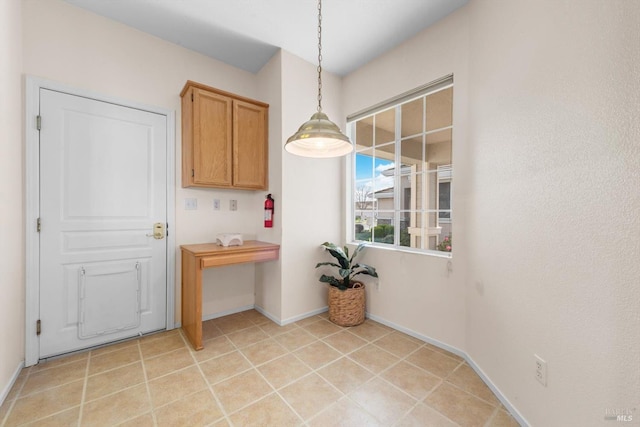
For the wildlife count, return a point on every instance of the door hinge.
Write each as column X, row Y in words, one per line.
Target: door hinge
column 193, row 173
column 38, row 327
column 38, row 122
column 38, row 225
column 167, row 229
column 191, row 96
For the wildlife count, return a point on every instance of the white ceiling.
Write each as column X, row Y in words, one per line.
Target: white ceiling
column 246, row 33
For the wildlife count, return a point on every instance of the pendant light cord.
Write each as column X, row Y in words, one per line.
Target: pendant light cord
column 319, row 55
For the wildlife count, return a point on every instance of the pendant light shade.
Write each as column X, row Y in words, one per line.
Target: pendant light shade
column 319, row 136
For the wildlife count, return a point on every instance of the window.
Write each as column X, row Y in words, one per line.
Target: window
column 402, row 170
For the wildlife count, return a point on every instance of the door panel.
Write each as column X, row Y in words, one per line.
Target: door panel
column 102, row 188
column 212, row 138
column 250, row 145
column 109, row 298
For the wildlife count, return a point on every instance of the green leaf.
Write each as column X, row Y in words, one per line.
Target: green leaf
column 357, row 251
column 345, row 272
column 330, row 280
column 332, row 264
column 364, row 269
column 337, row 253
column 346, row 251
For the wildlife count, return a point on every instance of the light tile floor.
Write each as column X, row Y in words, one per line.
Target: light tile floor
column 253, row 372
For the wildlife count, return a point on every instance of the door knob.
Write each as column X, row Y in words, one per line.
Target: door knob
column 158, row 231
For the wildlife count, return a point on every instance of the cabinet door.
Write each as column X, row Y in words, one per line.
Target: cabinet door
column 250, row 145
column 212, row 139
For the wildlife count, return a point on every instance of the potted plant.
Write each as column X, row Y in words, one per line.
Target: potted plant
column 346, row 295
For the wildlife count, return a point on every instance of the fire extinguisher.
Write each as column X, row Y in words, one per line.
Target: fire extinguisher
column 268, row 211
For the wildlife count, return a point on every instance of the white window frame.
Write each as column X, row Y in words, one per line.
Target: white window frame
column 419, row 92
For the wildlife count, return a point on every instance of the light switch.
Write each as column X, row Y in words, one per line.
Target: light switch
column 216, row 204
column 190, row 204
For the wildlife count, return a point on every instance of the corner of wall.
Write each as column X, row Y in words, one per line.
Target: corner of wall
column 12, row 247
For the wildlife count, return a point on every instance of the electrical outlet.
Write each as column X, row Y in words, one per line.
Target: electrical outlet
column 216, row 204
column 233, row 205
column 541, row 370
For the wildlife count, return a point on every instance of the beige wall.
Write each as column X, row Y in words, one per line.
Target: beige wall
column 546, row 154
column 11, row 200
column 553, row 132
column 72, row 46
column 307, row 191
column 268, row 293
column 312, row 189
column 418, row 292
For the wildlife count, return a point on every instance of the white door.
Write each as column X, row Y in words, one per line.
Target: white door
column 102, row 188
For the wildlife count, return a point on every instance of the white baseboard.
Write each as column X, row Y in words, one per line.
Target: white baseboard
column 303, row 316
column 178, row 325
column 268, row 315
column 512, row 410
column 7, row 388
column 291, row 319
column 227, row 312
column 414, row 334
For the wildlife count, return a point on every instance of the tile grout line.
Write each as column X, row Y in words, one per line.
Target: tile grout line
column 291, row 353
column 375, row 375
column 346, row 356
column 225, row 416
column 442, row 380
column 493, row 415
column 84, row 388
column 146, row 383
column 255, row 368
column 17, row 396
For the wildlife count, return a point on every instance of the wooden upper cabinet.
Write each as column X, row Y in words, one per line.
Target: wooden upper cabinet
column 249, row 149
column 224, row 139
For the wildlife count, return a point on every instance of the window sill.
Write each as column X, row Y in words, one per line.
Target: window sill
column 437, row 254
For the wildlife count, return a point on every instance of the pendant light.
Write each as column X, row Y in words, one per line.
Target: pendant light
column 319, row 137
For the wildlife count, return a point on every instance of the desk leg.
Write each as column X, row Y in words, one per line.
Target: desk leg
column 192, row 299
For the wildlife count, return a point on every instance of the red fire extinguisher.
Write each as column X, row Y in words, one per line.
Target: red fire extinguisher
column 268, row 211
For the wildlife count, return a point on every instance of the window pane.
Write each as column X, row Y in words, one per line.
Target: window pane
column 364, row 165
column 363, row 196
column 411, row 152
column 385, row 126
column 445, row 242
column 363, row 221
column 440, row 109
column 385, row 198
column 444, row 200
column 386, row 152
column 411, row 195
column 364, row 133
column 411, row 229
column 432, row 191
column 439, row 147
column 432, row 231
column 412, row 117
column 363, row 187
column 384, row 230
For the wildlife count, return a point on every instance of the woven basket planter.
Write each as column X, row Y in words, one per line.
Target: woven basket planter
column 346, row 308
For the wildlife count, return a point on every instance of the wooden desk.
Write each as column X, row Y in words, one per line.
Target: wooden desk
column 196, row 258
